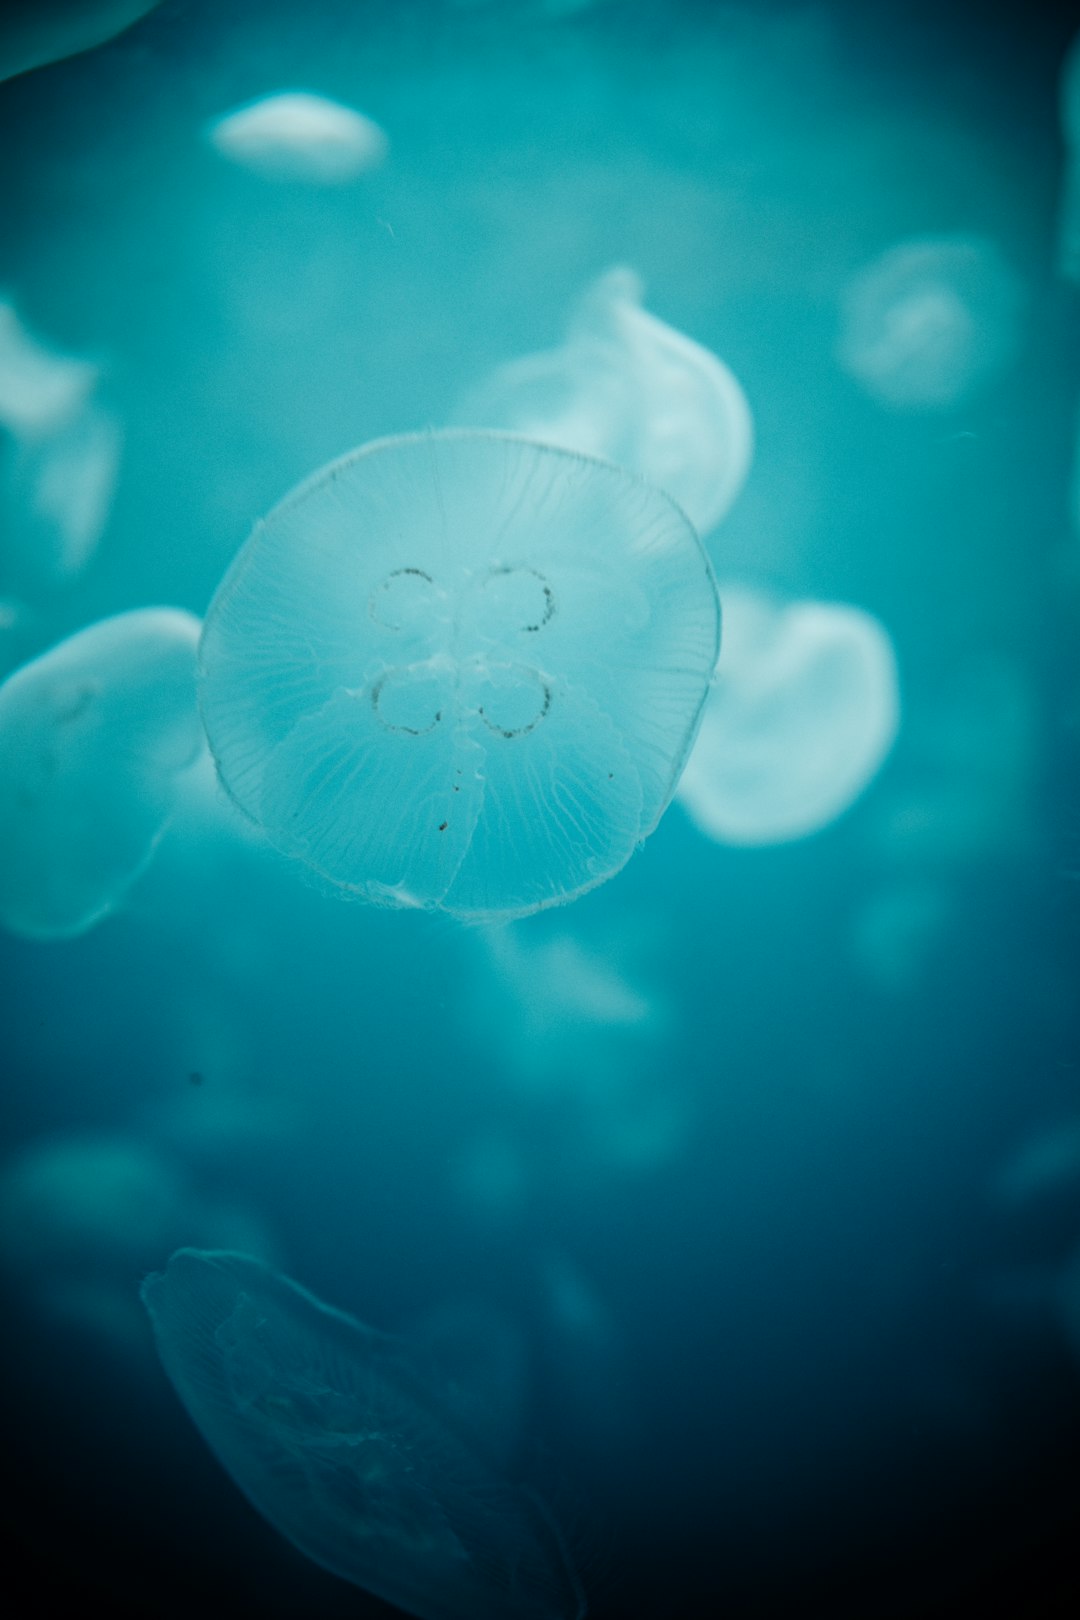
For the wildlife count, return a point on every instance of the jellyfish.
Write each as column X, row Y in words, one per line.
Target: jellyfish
column 929, row 321
column 39, row 387
column 297, row 136
column 336, row 1438
column 61, row 459
column 1069, row 218
column 36, row 32
column 629, row 388
column 94, row 737
column 803, row 712
column 460, row 671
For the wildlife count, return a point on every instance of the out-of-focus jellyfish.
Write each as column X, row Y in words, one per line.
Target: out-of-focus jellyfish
column 930, row 320
column 298, row 136
column 39, row 388
column 894, row 930
column 1069, row 219
column 83, row 1216
column 803, row 711
column 1044, row 1166
column 61, row 490
column 460, row 671
column 94, row 735
column 36, row 32
column 61, row 460
column 348, row 1450
column 629, row 388
column 967, row 795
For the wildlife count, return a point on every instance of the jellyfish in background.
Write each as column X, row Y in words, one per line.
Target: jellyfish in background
column 460, row 671
column 1069, row 219
column 628, row 388
column 297, row 136
column 36, row 32
column 804, row 710
column 929, row 321
column 94, row 737
column 84, row 1214
column 335, row 1437
column 59, row 466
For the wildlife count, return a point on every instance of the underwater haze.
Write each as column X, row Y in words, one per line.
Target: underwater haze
column 540, row 808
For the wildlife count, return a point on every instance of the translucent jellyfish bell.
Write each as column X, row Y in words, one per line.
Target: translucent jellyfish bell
column 93, row 737
column 929, row 321
column 461, row 671
column 351, row 1453
column 298, row 136
column 803, row 712
column 629, row 388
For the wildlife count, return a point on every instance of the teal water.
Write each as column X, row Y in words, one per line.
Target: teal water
column 733, row 1208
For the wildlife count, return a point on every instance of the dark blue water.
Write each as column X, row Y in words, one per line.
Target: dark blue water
column 785, row 1344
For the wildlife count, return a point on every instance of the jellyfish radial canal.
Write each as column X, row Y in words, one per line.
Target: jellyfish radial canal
column 461, row 671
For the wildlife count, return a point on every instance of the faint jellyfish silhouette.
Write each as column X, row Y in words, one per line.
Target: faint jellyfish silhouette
column 83, row 1215
column 61, row 461
column 460, row 671
column 298, row 136
column 335, row 1437
column 1069, row 215
column 930, row 320
column 36, row 32
column 478, row 1357
column 1044, row 1166
column 629, row 388
column 803, row 712
column 895, row 929
column 94, row 736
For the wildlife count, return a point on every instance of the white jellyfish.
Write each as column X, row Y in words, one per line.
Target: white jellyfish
column 629, row 388
column 94, row 735
column 36, row 32
column 60, row 462
column 460, row 671
column 803, row 712
column 929, row 321
column 1069, row 217
column 336, row 1436
column 298, row 136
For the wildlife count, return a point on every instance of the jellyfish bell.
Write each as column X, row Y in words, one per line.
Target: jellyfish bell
column 804, row 710
column 345, row 1446
column 629, row 388
column 93, row 737
column 460, row 671
column 929, row 321
column 302, row 137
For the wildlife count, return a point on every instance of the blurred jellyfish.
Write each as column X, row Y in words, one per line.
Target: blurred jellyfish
column 61, row 489
column 93, row 737
column 460, row 671
column 348, row 1450
column 83, row 1216
column 929, row 321
column 1069, row 218
column 630, row 389
column 1045, row 1165
column 974, row 753
column 36, row 32
column 297, row 136
column 39, row 388
column 895, row 928
column 803, row 711
column 61, row 460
